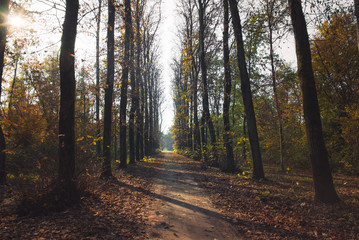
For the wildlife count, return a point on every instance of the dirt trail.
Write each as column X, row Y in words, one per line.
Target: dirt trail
column 182, row 209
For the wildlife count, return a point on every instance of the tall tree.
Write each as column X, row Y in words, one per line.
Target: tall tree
column 106, row 167
column 272, row 22
column 146, row 57
column 97, row 64
column 335, row 60
column 194, row 79
column 202, row 5
column 258, row 171
column 134, row 99
column 323, row 182
column 4, row 10
column 138, row 118
column 124, row 83
column 356, row 10
column 227, row 135
column 67, row 100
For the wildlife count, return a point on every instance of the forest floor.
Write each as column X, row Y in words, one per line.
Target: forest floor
column 171, row 197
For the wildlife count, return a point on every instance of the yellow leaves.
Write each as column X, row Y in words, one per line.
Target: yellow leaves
column 244, row 174
column 28, row 178
column 145, row 159
column 10, row 176
column 80, row 139
column 9, row 152
column 25, row 125
column 242, row 140
column 93, row 142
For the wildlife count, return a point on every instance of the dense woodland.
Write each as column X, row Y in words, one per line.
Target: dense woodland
column 238, row 103
column 82, row 97
column 62, row 115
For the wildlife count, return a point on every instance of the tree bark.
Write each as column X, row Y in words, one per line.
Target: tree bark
column 132, row 126
column 323, row 182
column 145, row 96
column 134, row 99
column 258, row 172
column 4, row 10
column 356, row 10
column 138, row 117
column 150, row 116
column 124, row 84
column 67, row 99
column 207, row 115
column 97, row 64
column 17, row 55
column 227, row 135
column 143, row 104
column 106, row 167
column 270, row 5
column 196, row 131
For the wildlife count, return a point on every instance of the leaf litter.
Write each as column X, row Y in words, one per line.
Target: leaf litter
column 280, row 207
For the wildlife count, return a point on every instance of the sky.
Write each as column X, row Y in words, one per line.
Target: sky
column 167, row 43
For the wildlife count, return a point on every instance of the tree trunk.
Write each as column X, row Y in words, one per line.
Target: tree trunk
column 270, row 5
column 17, row 55
column 138, row 117
column 356, row 9
column 4, row 10
column 115, row 134
column 124, row 84
column 98, row 131
column 67, row 100
column 196, row 132
column 323, row 182
column 150, row 116
column 134, row 99
column 106, row 167
column 132, row 126
column 145, row 98
column 207, row 115
column 258, row 172
column 141, row 122
column 203, row 134
column 194, row 79
column 227, row 135
column 244, row 144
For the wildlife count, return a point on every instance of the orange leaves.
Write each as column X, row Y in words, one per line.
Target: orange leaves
column 25, row 125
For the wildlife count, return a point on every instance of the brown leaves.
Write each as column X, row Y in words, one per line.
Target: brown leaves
column 108, row 210
column 283, row 206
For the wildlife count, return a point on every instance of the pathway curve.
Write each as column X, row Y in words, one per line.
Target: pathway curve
column 182, row 209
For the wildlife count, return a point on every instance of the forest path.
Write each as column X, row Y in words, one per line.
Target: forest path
column 182, row 209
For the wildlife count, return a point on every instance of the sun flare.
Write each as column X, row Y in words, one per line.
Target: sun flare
column 16, row 21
